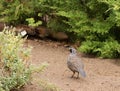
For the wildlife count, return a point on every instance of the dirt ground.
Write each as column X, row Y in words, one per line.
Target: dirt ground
column 102, row 74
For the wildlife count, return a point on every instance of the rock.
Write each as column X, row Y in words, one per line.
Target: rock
column 28, row 29
column 42, row 32
column 45, row 32
column 2, row 25
column 59, row 35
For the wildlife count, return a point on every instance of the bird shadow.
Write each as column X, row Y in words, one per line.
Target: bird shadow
column 116, row 62
column 80, row 79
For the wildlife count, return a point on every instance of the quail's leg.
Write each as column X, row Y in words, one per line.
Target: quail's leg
column 77, row 75
column 73, row 74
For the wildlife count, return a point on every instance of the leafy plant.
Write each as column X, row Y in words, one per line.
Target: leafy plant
column 107, row 49
column 99, row 39
column 31, row 22
column 14, row 69
column 86, row 21
column 17, row 11
column 47, row 86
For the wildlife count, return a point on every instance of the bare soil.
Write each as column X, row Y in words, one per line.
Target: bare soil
column 102, row 74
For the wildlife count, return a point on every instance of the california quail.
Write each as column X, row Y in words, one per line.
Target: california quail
column 75, row 64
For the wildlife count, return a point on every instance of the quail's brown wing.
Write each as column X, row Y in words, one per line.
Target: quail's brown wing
column 77, row 62
column 72, row 66
column 79, row 65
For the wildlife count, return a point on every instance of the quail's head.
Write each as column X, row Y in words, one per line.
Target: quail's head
column 72, row 50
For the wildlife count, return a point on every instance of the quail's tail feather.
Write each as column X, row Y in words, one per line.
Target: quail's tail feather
column 82, row 72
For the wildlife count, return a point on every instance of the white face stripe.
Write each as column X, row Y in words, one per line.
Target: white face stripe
column 72, row 50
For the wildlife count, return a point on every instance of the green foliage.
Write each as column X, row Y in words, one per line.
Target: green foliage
column 46, row 86
column 90, row 46
column 114, row 9
column 91, row 23
column 40, row 68
column 17, row 11
column 110, row 49
column 107, row 49
column 99, row 39
column 15, row 67
column 87, row 21
column 1, row 89
column 31, row 22
column 13, row 64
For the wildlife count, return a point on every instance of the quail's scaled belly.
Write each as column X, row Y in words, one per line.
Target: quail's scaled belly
column 71, row 66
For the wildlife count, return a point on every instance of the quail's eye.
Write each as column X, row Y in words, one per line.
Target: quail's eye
column 70, row 50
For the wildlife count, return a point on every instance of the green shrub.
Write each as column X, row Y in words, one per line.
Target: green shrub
column 107, row 49
column 99, row 39
column 86, row 21
column 17, row 11
column 14, row 71
column 47, row 86
column 31, row 22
